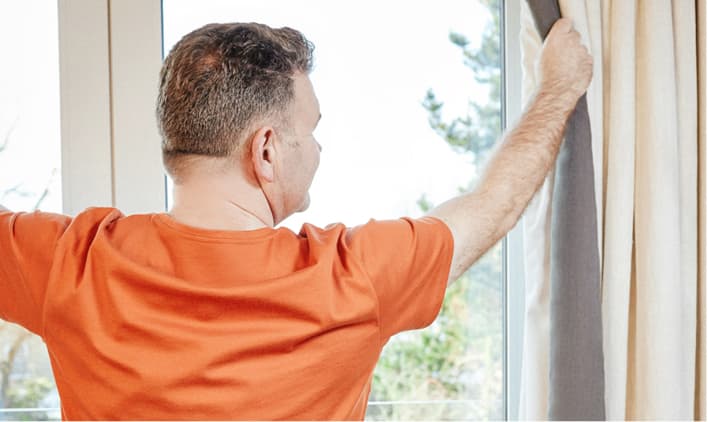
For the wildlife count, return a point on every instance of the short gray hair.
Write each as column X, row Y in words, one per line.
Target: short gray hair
column 219, row 80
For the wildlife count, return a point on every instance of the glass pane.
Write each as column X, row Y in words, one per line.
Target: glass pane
column 30, row 178
column 410, row 100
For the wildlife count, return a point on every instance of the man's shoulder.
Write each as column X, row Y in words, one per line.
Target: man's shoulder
column 94, row 216
column 392, row 232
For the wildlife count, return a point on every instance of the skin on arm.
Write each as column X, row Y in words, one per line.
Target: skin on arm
column 480, row 218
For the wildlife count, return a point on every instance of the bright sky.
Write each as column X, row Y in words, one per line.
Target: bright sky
column 29, row 102
column 374, row 61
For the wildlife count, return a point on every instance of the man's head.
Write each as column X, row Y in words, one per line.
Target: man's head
column 239, row 94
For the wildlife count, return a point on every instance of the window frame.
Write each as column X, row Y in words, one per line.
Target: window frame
column 110, row 142
column 514, row 242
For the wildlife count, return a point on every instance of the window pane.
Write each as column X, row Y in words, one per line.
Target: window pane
column 30, row 178
column 410, row 100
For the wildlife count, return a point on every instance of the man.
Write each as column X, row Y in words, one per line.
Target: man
column 209, row 312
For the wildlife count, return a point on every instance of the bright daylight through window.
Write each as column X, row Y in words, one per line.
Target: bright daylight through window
column 410, row 94
column 410, row 98
column 30, row 178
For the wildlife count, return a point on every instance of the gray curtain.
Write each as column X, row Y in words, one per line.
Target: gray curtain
column 576, row 378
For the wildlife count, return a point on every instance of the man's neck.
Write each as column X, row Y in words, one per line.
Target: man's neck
column 220, row 203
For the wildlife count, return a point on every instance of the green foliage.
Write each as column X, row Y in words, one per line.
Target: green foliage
column 29, row 393
column 476, row 132
column 424, row 203
column 459, row 357
column 20, row 386
column 458, row 361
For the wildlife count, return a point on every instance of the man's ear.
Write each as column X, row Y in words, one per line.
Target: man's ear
column 263, row 154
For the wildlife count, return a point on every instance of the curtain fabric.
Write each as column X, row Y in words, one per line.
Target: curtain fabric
column 576, row 327
column 659, row 364
column 536, row 225
column 643, row 108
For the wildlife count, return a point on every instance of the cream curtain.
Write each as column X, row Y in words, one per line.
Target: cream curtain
column 643, row 107
column 533, row 401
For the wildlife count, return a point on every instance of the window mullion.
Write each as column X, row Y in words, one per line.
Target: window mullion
column 85, row 104
column 135, row 28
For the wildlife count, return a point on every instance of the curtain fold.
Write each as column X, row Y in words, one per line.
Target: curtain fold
column 662, row 337
column 575, row 318
column 646, row 136
column 620, row 123
column 536, row 224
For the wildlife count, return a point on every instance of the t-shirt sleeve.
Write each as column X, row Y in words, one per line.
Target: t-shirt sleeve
column 27, row 245
column 408, row 262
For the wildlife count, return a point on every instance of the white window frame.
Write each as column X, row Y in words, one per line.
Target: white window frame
column 515, row 302
column 110, row 55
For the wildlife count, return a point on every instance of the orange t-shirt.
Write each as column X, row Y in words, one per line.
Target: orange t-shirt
column 146, row 318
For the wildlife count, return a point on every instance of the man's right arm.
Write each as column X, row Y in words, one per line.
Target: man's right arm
column 28, row 244
column 479, row 219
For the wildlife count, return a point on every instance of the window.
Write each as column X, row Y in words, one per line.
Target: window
column 30, row 178
column 410, row 99
column 390, row 79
